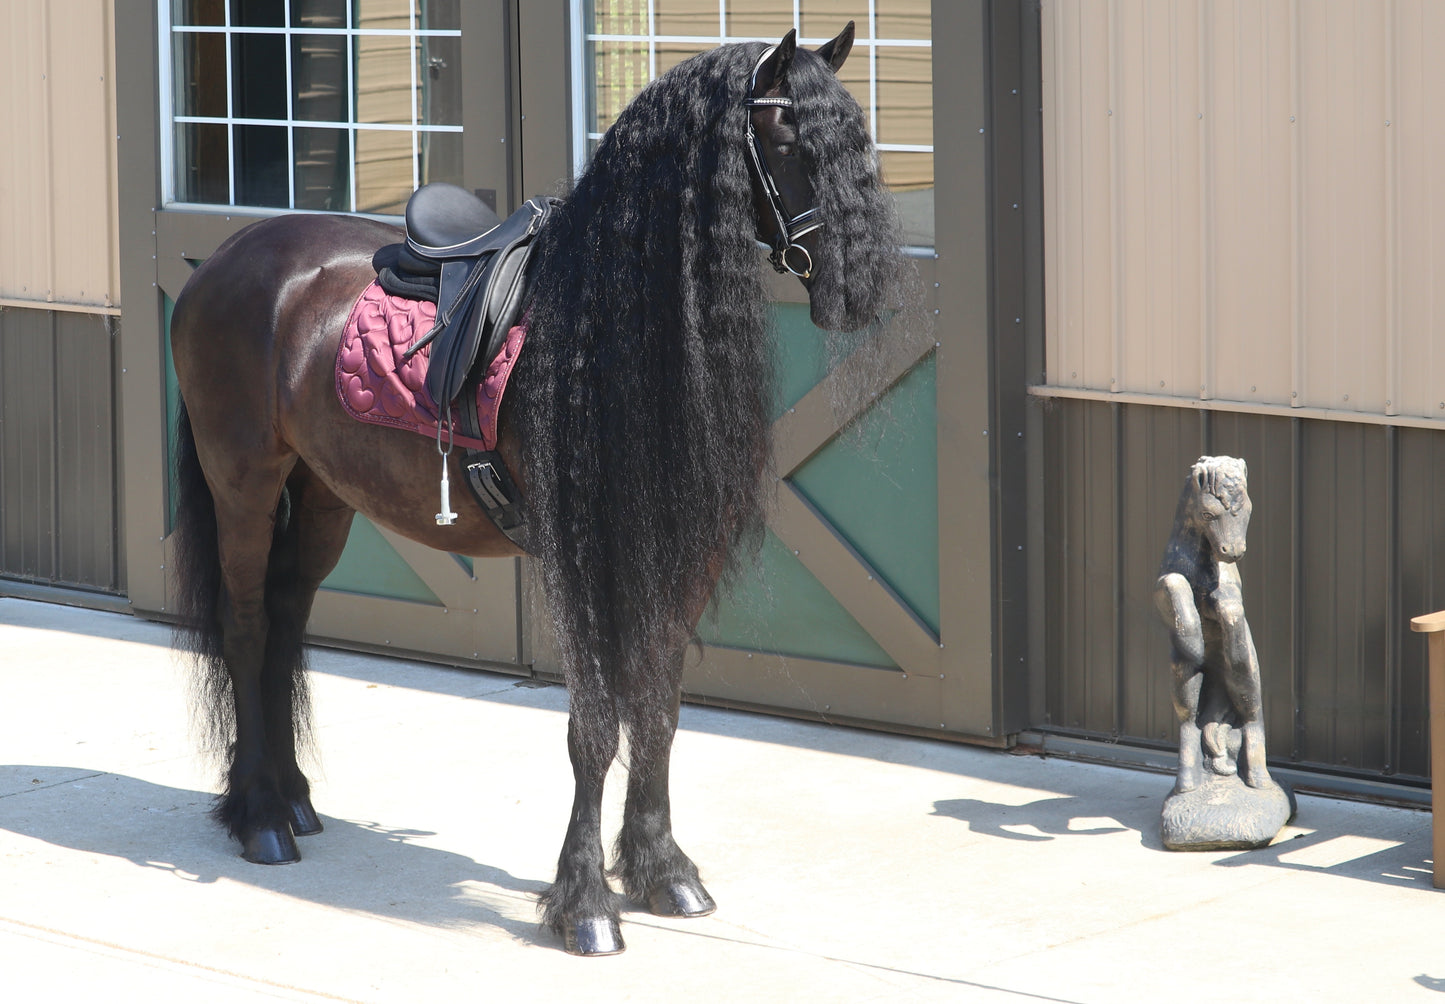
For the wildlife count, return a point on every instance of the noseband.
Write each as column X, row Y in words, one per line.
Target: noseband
column 787, row 252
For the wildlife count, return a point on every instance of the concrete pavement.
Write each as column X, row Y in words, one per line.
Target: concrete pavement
column 847, row 865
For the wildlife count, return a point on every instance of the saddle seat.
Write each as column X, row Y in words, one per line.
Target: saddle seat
column 474, row 266
column 448, row 222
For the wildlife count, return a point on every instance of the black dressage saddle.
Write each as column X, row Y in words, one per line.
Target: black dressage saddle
column 473, row 265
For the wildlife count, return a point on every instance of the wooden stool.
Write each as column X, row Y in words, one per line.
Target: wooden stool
column 1434, row 626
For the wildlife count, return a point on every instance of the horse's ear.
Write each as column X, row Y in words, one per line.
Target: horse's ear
column 835, row 52
column 775, row 67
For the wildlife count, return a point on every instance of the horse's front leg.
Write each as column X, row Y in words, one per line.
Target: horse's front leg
column 650, row 865
column 1241, row 680
column 1174, row 599
column 580, row 905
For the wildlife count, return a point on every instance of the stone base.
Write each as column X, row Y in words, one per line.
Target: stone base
column 1225, row 814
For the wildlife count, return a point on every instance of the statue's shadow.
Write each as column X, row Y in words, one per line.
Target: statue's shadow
column 1331, row 842
column 353, row 865
column 1044, row 818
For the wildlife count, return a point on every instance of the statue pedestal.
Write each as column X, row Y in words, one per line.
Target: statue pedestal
column 1225, row 814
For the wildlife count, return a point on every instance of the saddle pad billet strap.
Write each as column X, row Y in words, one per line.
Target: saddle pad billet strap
column 496, row 493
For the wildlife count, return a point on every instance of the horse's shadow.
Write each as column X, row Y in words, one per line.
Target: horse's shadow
column 354, row 865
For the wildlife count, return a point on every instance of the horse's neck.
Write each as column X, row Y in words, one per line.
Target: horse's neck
column 1189, row 553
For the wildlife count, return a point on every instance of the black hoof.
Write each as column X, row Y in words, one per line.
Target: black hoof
column 272, row 846
column 304, row 821
column 680, row 900
column 594, row 936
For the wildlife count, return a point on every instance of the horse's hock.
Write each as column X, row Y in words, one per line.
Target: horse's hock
column 1224, row 797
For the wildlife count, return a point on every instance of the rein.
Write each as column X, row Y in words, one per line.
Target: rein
column 789, row 228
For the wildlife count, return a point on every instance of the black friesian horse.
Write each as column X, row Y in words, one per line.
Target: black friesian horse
column 636, row 426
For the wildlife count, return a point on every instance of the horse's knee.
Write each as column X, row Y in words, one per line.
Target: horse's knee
column 1231, row 613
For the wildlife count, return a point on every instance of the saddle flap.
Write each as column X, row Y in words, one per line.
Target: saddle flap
column 486, row 306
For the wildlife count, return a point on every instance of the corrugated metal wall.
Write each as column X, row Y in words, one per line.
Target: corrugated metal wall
column 1244, row 201
column 57, row 449
column 1244, row 232
column 58, row 180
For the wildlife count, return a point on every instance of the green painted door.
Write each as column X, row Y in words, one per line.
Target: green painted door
column 839, row 613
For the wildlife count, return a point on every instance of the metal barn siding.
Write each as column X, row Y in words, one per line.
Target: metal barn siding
column 58, row 181
column 58, row 508
column 1347, row 540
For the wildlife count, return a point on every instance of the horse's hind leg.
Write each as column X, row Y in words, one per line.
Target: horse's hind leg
column 251, row 807
column 580, row 905
column 650, row 865
column 305, row 550
column 275, row 547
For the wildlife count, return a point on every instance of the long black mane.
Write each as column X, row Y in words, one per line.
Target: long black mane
column 643, row 398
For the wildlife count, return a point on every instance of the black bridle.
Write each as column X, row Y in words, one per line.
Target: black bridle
column 789, row 228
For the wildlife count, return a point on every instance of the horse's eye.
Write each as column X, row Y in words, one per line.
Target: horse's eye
column 785, row 149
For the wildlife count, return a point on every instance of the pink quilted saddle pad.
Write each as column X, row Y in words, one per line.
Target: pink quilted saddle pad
column 376, row 386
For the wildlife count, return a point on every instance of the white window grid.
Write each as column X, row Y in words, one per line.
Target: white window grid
column 168, row 33
column 866, row 41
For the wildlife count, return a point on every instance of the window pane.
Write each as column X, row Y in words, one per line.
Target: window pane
column 910, row 19
column 318, row 13
column 440, row 73
column 322, row 169
column 200, row 74
column 682, row 17
column 761, row 18
column 262, row 165
column 622, row 17
column 825, row 18
column 441, row 157
column 383, row 170
column 905, row 95
column 211, row 12
column 258, row 13
column 619, row 71
column 393, row 14
column 258, row 86
column 318, row 78
column 202, row 172
column 384, row 79
column 910, row 175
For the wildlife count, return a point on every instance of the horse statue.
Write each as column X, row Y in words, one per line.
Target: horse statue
column 1217, row 691
column 635, row 426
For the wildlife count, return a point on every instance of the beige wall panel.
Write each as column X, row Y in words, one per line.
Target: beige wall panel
column 1078, row 96
column 1417, row 131
column 58, row 177
column 1343, row 224
column 1261, row 218
column 1247, row 135
column 25, row 166
column 1157, row 223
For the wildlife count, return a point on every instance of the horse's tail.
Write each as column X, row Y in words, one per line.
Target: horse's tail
column 196, row 568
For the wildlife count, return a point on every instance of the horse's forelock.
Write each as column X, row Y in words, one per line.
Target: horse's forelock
column 1226, row 478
